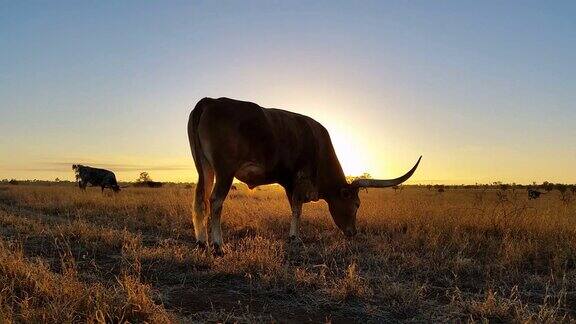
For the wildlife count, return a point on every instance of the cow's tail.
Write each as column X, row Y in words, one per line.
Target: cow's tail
column 203, row 167
column 193, row 137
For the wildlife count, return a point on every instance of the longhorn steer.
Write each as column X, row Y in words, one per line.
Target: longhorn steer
column 258, row 146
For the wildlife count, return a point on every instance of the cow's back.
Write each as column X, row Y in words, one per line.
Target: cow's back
column 233, row 131
column 97, row 176
column 236, row 135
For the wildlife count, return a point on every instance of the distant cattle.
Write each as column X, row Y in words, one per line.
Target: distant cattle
column 13, row 182
column 86, row 175
column 149, row 184
column 534, row 194
column 153, row 184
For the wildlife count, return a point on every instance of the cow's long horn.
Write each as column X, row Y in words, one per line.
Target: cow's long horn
column 374, row 183
column 126, row 186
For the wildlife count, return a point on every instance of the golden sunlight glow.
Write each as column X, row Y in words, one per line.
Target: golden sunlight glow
column 351, row 154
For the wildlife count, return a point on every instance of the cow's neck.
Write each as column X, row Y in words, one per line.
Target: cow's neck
column 331, row 187
column 331, row 177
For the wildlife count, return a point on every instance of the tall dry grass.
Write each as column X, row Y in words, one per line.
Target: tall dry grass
column 419, row 256
column 41, row 279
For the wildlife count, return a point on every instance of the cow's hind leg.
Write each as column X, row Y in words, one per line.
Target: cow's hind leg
column 223, row 184
column 202, row 204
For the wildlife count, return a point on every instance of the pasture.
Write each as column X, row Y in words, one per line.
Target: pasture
column 420, row 255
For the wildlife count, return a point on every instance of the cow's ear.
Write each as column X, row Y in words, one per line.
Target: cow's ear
column 346, row 193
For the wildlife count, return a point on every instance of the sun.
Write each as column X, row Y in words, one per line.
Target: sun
column 350, row 153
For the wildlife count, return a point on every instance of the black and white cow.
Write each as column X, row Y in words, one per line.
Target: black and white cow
column 95, row 177
column 534, row 194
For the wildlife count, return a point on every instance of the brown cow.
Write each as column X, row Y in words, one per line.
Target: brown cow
column 258, row 146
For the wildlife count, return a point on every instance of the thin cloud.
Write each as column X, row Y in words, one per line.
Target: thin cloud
column 65, row 166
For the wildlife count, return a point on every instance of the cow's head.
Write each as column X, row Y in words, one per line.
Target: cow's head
column 343, row 207
column 344, row 204
column 116, row 188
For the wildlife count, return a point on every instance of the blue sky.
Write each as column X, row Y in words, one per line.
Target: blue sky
column 484, row 90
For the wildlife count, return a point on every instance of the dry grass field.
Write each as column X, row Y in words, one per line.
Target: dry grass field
column 69, row 256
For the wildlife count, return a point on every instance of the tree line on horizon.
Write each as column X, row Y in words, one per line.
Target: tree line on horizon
column 144, row 179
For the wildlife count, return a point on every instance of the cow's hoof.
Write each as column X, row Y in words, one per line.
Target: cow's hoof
column 217, row 250
column 292, row 239
column 201, row 245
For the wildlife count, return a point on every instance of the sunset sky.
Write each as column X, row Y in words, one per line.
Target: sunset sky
column 484, row 90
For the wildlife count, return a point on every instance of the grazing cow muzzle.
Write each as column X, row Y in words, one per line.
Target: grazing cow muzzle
column 350, row 232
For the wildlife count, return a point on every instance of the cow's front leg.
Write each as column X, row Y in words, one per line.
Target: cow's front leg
column 296, row 207
column 216, row 201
